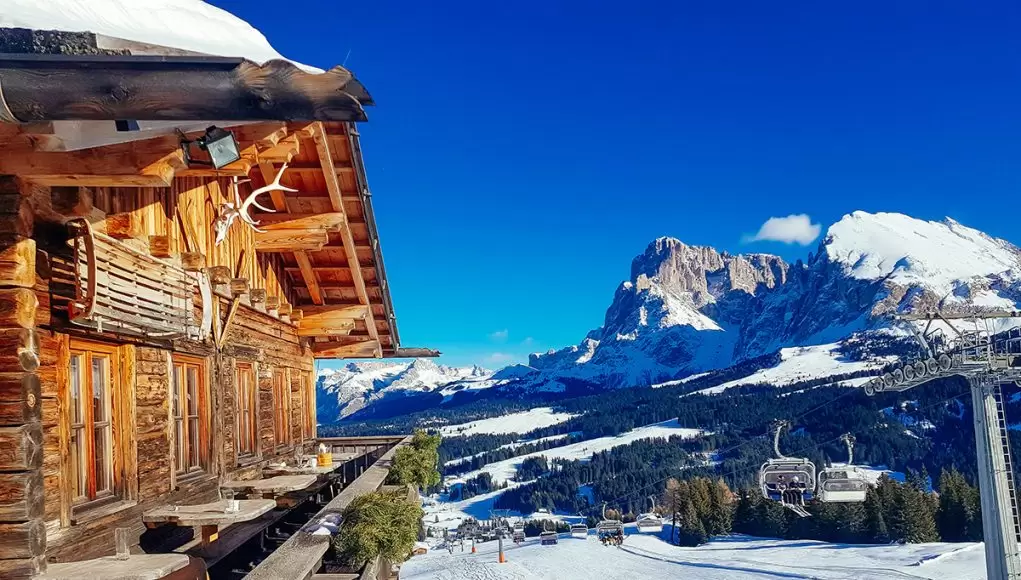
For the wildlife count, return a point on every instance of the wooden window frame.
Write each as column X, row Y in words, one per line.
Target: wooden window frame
column 308, row 406
column 247, row 403
column 122, row 455
column 205, row 459
column 281, row 408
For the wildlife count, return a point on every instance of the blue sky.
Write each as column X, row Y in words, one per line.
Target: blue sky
column 520, row 154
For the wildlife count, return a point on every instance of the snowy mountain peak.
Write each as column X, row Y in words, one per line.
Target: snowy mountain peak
column 910, row 251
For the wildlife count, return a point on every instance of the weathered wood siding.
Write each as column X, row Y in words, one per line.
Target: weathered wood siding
column 256, row 337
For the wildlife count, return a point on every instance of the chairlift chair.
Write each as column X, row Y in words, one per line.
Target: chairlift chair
column 650, row 523
column 579, row 531
column 844, row 484
column 779, row 476
column 547, row 538
column 607, row 527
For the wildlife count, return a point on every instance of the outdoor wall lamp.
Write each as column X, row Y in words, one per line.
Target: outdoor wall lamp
column 219, row 143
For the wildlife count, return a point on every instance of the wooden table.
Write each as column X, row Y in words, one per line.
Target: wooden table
column 136, row 567
column 272, row 486
column 208, row 516
column 270, row 470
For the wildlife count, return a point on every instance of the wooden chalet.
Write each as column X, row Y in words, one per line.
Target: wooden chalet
column 143, row 362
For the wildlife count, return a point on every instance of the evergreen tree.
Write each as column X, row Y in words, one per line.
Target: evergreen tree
column 744, row 519
column 916, row 522
column 691, row 532
column 875, row 529
column 720, row 518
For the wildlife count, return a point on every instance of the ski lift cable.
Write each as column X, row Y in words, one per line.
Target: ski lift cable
column 752, row 468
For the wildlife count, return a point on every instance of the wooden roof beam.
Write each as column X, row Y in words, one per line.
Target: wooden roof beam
column 331, row 221
column 363, row 349
column 150, row 163
column 291, row 240
column 308, row 274
column 337, row 200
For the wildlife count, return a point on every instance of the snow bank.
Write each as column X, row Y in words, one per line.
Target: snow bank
column 523, row 422
column 508, row 468
column 802, row 363
column 184, row 24
column 728, row 558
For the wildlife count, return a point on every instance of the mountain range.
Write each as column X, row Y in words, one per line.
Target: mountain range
column 688, row 309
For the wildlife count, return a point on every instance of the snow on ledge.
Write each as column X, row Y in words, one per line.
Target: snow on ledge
column 189, row 25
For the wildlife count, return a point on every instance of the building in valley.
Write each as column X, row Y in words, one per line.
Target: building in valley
column 160, row 323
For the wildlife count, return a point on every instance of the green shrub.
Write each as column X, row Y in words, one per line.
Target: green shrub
column 417, row 464
column 378, row 524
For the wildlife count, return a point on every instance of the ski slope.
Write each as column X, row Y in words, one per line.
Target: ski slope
column 800, row 364
column 522, row 422
column 727, row 558
column 505, row 470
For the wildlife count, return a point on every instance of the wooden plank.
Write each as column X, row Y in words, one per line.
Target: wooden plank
column 264, row 135
column 291, row 240
column 330, row 221
column 309, row 276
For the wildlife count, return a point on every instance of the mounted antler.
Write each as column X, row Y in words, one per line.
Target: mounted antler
column 232, row 210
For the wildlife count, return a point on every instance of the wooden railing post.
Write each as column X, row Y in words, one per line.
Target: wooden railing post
column 22, row 531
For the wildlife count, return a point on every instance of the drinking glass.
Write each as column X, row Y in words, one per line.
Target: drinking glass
column 120, row 538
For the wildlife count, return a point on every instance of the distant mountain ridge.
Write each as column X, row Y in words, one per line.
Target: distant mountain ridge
column 691, row 309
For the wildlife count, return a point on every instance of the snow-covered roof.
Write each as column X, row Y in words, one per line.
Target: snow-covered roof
column 190, row 25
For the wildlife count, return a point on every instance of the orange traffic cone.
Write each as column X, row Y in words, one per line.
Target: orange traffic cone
column 473, row 548
column 503, row 559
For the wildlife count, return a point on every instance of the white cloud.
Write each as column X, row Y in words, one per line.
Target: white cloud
column 499, row 335
column 529, row 341
column 793, row 229
column 499, row 358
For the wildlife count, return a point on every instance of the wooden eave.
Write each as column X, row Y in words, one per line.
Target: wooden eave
column 47, row 87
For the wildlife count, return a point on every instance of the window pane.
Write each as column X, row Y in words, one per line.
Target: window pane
column 193, row 443
column 175, row 380
column 104, row 470
column 78, row 479
column 100, row 388
column 179, row 445
column 76, row 389
column 192, row 374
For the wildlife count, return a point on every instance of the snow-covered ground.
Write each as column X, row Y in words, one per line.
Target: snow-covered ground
column 522, row 422
column 728, row 558
column 514, row 445
column 800, row 364
column 507, row 469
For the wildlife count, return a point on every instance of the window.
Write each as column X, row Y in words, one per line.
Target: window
column 93, row 451
column 191, row 431
column 308, row 407
column 247, row 433
column 281, row 408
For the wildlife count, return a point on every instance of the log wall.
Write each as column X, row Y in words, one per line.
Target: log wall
column 37, row 523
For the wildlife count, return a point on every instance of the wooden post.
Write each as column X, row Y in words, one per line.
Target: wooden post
column 22, row 531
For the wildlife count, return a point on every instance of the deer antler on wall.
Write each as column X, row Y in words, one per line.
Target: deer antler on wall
column 232, row 210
